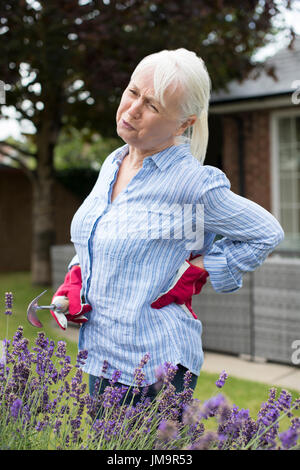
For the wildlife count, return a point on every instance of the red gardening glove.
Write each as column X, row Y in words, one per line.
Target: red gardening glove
column 71, row 288
column 187, row 282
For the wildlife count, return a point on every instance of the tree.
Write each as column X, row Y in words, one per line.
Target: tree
column 65, row 63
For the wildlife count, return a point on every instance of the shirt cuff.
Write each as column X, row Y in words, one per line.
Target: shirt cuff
column 219, row 274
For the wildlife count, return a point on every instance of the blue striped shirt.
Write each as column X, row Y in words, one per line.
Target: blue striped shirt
column 125, row 270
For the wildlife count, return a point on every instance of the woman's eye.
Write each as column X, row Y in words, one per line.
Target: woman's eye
column 133, row 92
column 153, row 107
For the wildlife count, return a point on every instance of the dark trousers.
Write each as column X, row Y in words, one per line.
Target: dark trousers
column 153, row 390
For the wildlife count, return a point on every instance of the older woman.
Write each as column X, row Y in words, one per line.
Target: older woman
column 138, row 260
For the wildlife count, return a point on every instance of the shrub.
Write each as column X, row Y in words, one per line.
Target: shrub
column 44, row 404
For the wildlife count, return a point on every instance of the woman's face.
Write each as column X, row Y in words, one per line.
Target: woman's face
column 144, row 123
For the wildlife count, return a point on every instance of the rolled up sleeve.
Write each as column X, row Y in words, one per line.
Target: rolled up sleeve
column 250, row 233
column 73, row 262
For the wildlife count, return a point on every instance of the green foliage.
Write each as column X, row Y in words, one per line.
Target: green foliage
column 70, row 61
column 83, row 148
column 79, row 181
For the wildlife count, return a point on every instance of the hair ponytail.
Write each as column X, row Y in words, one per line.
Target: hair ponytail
column 199, row 136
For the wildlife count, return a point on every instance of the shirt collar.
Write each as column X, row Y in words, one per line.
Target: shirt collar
column 163, row 159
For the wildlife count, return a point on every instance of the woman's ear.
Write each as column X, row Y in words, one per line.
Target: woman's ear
column 189, row 122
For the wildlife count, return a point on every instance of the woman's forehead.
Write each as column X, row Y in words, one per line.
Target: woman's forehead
column 143, row 80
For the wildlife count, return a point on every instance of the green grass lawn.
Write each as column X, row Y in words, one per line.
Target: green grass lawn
column 243, row 393
column 23, row 293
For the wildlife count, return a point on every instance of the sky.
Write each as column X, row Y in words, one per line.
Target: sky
column 292, row 18
column 11, row 127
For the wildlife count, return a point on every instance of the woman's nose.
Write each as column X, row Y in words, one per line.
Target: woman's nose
column 135, row 109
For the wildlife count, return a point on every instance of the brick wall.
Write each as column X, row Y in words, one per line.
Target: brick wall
column 230, row 151
column 257, row 155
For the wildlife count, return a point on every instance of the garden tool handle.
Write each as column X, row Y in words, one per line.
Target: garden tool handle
column 61, row 304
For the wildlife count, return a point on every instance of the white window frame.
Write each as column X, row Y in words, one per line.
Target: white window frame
column 275, row 177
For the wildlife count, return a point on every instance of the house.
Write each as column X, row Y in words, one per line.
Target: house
column 255, row 140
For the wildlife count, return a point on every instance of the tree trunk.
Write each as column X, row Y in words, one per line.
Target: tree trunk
column 43, row 231
column 43, row 226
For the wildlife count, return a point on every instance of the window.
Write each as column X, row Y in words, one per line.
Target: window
column 286, row 183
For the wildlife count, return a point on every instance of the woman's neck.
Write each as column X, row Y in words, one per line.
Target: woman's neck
column 136, row 156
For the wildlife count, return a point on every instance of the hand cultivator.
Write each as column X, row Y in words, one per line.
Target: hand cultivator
column 60, row 306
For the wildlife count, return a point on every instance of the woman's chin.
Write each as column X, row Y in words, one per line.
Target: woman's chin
column 128, row 139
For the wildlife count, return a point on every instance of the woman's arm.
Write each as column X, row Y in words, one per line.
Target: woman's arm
column 198, row 262
column 250, row 233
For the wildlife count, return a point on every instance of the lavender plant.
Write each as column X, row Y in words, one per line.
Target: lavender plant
column 8, row 308
column 44, row 404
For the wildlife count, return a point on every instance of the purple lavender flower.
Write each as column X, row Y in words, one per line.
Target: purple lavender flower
column 57, row 426
column 20, row 348
column 51, row 348
column 168, row 402
column 31, row 376
column 289, row 438
column 112, row 395
column 75, row 423
column 115, row 377
column 165, row 374
column 296, row 404
column 236, row 428
column 160, row 375
column 186, row 396
column 41, row 425
column 206, row 442
column 105, row 426
column 160, row 372
column 170, row 372
column 144, row 360
column 61, row 349
column 8, row 303
column 16, row 408
column 139, row 377
column 272, row 395
column 195, row 431
column 41, row 341
column 104, row 368
column 145, row 392
column 139, row 374
column 41, row 365
column 81, row 358
column 18, row 335
column 284, row 401
column 295, row 423
column 187, row 379
column 212, row 406
column 221, row 380
column 268, row 416
column 167, row 430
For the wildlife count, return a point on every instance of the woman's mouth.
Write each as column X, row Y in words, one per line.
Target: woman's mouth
column 127, row 125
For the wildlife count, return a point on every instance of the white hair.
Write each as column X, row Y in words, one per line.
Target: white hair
column 185, row 68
